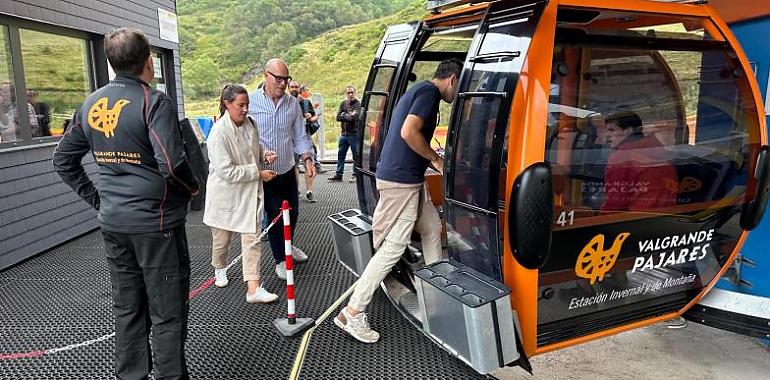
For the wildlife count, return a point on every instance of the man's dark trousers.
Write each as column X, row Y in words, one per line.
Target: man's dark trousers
column 342, row 151
column 150, row 275
column 282, row 187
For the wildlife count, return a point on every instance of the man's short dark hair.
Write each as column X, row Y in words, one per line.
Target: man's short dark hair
column 449, row 67
column 625, row 120
column 127, row 49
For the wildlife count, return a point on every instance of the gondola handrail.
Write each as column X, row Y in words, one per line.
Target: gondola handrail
column 471, row 94
column 501, row 54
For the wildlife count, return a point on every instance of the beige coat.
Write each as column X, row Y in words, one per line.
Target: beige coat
column 234, row 194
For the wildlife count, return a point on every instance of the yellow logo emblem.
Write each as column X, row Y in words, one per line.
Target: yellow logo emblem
column 104, row 119
column 688, row 185
column 594, row 262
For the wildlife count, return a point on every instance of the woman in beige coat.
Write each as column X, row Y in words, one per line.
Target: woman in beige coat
column 234, row 195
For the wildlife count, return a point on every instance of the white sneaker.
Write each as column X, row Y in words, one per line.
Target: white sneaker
column 310, row 197
column 297, row 255
column 220, row 276
column 280, row 270
column 356, row 326
column 261, row 296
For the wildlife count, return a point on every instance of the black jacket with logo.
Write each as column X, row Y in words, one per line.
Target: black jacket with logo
column 145, row 180
column 347, row 115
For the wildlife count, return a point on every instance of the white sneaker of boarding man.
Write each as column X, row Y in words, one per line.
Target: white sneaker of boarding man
column 404, row 202
column 281, row 127
column 235, row 200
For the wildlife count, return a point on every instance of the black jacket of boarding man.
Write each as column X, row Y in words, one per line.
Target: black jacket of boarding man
column 145, row 180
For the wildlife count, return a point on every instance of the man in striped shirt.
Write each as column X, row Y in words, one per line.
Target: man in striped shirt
column 281, row 129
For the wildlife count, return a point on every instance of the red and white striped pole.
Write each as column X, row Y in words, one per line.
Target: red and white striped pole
column 291, row 325
column 289, row 262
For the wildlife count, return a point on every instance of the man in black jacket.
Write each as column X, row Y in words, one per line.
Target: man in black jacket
column 145, row 183
column 347, row 115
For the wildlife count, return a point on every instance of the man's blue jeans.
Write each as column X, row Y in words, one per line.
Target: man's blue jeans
column 342, row 146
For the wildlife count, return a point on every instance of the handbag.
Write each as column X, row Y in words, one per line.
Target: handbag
column 312, row 127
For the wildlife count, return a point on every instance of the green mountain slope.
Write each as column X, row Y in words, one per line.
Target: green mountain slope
column 223, row 40
column 343, row 57
column 330, row 62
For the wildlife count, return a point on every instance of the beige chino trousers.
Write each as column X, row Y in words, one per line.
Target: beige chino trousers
column 250, row 246
column 401, row 209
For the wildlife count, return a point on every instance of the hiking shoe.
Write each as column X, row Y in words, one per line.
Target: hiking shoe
column 297, row 255
column 356, row 326
column 352, row 179
column 265, row 238
column 280, row 270
column 220, row 278
column 335, row 178
column 261, row 296
column 301, row 168
column 320, row 169
column 310, row 197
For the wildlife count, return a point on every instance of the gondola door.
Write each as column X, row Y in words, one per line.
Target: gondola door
column 478, row 138
column 376, row 105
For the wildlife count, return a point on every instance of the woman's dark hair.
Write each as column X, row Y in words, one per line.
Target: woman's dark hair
column 229, row 92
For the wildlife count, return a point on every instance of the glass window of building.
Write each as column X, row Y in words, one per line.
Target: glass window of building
column 159, row 75
column 9, row 122
column 57, row 77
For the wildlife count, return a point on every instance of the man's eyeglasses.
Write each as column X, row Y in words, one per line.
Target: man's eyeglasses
column 351, row 92
column 279, row 78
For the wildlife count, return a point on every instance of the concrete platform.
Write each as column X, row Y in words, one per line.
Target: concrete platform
column 655, row 353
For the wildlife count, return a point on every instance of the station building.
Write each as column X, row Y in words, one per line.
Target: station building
column 51, row 57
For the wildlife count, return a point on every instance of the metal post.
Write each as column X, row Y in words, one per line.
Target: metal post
column 292, row 325
column 289, row 263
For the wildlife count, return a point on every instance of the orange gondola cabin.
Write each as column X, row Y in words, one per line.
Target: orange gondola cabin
column 577, row 237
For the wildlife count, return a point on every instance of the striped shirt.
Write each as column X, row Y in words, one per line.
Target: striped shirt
column 281, row 128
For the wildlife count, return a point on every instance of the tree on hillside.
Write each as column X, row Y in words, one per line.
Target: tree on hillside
column 279, row 36
column 201, row 77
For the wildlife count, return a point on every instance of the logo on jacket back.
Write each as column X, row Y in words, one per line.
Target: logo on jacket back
column 105, row 119
column 594, row 261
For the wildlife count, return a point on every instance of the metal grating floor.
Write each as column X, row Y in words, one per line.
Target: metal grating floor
column 62, row 297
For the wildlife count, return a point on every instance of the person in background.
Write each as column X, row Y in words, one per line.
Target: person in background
column 8, row 130
column 308, row 113
column 9, row 115
column 235, row 201
column 638, row 174
column 313, row 124
column 42, row 111
column 282, row 130
column 145, row 185
column 404, row 204
column 34, row 123
column 347, row 115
